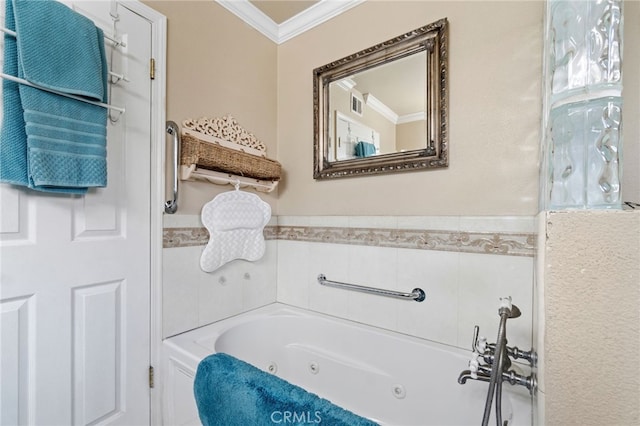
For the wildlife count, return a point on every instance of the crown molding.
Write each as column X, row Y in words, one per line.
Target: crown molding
column 408, row 118
column 346, row 84
column 252, row 16
column 315, row 15
column 381, row 108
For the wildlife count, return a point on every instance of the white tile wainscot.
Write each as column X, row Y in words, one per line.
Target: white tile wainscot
column 193, row 298
column 464, row 264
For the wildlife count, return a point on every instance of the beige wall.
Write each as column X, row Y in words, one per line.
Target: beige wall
column 495, row 106
column 411, row 135
column 218, row 65
column 590, row 337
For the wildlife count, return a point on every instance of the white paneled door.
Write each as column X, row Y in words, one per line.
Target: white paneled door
column 75, row 270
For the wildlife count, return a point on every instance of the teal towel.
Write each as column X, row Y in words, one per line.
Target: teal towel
column 365, row 149
column 50, row 142
column 60, row 49
column 230, row 392
column 13, row 135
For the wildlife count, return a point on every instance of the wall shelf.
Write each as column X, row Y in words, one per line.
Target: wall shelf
column 194, row 173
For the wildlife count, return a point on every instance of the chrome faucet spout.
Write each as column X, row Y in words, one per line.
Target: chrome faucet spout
column 466, row 375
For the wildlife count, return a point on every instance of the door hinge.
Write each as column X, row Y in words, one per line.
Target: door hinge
column 152, row 69
column 151, row 374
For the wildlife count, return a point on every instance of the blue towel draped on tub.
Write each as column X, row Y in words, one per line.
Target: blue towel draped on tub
column 230, row 392
column 50, row 142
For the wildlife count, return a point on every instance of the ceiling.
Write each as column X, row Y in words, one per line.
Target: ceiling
column 281, row 20
column 281, row 10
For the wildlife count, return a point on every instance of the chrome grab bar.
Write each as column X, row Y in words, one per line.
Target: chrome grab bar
column 171, row 206
column 416, row 294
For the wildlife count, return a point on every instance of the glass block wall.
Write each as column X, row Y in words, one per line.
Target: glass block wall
column 582, row 105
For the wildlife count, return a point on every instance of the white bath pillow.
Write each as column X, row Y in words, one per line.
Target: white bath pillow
column 235, row 221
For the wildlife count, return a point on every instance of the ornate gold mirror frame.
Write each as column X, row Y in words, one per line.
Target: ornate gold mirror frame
column 430, row 39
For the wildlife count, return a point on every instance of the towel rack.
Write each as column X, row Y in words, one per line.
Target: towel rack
column 111, row 73
column 67, row 95
column 171, row 206
column 416, row 294
column 114, row 40
column 28, row 83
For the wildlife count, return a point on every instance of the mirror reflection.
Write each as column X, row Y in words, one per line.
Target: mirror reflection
column 383, row 109
column 380, row 110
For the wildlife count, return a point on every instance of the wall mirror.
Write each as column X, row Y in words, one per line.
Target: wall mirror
column 383, row 109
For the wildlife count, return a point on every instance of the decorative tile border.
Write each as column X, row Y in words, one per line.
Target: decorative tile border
column 199, row 236
column 510, row 244
column 184, row 237
column 468, row 242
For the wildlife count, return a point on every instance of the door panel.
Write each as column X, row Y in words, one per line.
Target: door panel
column 16, row 356
column 74, row 270
column 98, row 343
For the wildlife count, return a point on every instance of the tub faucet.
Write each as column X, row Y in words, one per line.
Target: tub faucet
column 491, row 362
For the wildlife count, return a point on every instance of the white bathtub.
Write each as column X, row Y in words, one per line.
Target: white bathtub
column 390, row 378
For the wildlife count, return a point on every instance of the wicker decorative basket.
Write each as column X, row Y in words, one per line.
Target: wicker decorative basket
column 214, row 156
